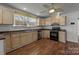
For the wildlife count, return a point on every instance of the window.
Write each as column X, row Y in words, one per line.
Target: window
column 25, row 21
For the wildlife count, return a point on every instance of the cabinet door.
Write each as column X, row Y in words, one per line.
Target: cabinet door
column 55, row 19
column 0, row 14
column 7, row 16
column 48, row 21
column 35, row 35
column 30, row 37
column 42, row 21
column 8, row 45
column 16, row 41
column 62, row 20
column 62, row 36
column 52, row 19
column 46, row 34
column 24, row 38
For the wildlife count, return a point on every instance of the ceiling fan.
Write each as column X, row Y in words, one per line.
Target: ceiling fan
column 51, row 8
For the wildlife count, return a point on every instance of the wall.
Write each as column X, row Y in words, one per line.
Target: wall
column 72, row 30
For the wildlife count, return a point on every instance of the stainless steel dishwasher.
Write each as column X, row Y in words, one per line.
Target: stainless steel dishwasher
column 2, row 49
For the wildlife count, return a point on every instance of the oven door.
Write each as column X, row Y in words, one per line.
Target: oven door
column 54, row 36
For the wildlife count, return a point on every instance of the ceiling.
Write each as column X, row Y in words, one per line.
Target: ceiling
column 37, row 8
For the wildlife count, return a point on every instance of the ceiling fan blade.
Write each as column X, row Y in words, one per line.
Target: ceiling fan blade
column 44, row 11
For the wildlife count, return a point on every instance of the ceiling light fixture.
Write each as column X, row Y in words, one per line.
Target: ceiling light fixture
column 24, row 8
column 51, row 11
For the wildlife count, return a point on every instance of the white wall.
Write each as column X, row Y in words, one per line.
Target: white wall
column 72, row 30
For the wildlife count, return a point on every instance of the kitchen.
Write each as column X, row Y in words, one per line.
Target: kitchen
column 24, row 31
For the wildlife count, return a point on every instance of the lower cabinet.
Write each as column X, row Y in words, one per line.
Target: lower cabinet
column 25, row 38
column 62, row 36
column 16, row 40
column 46, row 34
column 7, row 41
column 35, row 36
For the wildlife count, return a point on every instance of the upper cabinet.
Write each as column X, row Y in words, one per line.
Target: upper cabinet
column 42, row 22
column 7, row 15
column 61, row 20
column 48, row 21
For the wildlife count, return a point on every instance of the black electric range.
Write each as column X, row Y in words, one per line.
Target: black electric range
column 54, row 33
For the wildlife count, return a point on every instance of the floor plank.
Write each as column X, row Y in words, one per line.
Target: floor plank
column 45, row 47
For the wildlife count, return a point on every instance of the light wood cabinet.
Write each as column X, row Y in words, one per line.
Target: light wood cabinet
column 48, row 21
column 52, row 19
column 62, row 36
column 55, row 20
column 8, row 45
column 45, row 33
column 0, row 14
column 62, row 20
column 16, row 40
column 35, row 35
column 24, row 38
column 41, row 22
column 30, row 37
column 7, row 15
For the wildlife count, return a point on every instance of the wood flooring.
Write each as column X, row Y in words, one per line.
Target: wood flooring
column 47, row 47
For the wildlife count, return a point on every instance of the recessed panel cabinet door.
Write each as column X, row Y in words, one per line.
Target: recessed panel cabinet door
column 62, row 20
column 41, row 22
column 46, row 33
column 0, row 14
column 16, row 41
column 8, row 45
column 35, row 35
column 48, row 21
column 24, row 38
column 7, row 16
column 62, row 36
column 30, row 37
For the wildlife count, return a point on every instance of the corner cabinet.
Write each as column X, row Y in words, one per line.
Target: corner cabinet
column 7, row 15
column 8, row 45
